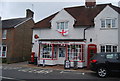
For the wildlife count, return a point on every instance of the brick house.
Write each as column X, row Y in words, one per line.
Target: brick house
column 77, row 33
column 17, row 38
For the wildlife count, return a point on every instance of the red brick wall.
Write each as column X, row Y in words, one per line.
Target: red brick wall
column 19, row 42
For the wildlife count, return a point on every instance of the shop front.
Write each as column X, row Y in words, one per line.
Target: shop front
column 57, row 52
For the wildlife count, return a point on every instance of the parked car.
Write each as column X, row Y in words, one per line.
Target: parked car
column 105, row 63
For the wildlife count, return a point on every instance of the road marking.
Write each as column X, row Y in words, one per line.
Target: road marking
column 80, row 73
column 10, row 78
column 6, row 77
column 64, row 72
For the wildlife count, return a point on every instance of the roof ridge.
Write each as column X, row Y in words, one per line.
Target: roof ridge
column 14, row 18
column 84, row 5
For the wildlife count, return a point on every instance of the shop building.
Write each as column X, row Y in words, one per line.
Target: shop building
column 76, row 34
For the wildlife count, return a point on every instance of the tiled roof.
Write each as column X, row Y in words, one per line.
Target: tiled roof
column 11, row 23
column 84, row 16
column 45, row 23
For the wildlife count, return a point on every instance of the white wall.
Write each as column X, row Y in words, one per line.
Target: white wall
column 106, row 36
column 119, row 33
column 73, row 33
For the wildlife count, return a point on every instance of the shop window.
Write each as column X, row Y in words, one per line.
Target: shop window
column 74, row 52
column 47, row 51
column 61, row 52
column 55, row 51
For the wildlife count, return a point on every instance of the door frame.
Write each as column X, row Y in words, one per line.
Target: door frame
column 64, row 54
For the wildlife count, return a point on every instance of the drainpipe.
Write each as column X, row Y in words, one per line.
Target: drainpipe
column 84, row 32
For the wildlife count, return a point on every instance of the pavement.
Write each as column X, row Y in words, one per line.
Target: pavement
column 57, row 67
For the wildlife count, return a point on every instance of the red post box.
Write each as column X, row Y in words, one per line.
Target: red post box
column 32, row 56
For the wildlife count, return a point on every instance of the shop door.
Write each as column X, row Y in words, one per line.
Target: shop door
column 61, row 55
column 92, row 49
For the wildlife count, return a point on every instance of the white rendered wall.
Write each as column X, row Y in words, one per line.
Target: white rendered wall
column 106, row 36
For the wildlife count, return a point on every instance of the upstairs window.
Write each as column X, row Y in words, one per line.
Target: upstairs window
column 108, row 23
column 103, row 23
column 62, row 25
column 4, row 33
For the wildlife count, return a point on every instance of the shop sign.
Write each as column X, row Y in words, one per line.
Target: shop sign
column 61, row 42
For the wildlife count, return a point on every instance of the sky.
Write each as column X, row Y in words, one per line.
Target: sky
column 42, row 8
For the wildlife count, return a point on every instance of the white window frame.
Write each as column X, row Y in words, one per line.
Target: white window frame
column 78, row 52
column 4, row 34
column 59, row 26
column 47, row 54
column 111, row 22
column 2, row 51
column 111, row 47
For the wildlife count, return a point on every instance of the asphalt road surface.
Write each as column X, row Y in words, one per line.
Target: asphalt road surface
column 15, row 73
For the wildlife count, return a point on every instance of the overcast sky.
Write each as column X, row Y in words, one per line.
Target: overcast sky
column 42, row 9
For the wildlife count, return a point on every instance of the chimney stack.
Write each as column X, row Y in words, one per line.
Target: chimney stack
column 29, row 13
column 119, row 4
column 90, row 3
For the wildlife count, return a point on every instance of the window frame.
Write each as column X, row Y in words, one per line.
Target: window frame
column 4, row 34
column 62, row 25
column 111, row 23
column 112, row 48
column 1, row 51
column 47, row 54
column 77, row 52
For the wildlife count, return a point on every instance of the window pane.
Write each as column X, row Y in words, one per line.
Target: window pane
column 109, row 56
column 108, row 23
column 47, row 51
column 62, row 25
column 113, row 23
column 114, row 48
column 57, row 25
column 108, row 48
column 102, row 48
column 66, row 25
column 103, row 23
column 112, row 56
column 4, row 48
column 4, row 51
column 4, row 32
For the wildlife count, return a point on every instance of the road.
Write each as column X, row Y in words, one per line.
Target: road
column 24, row 73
